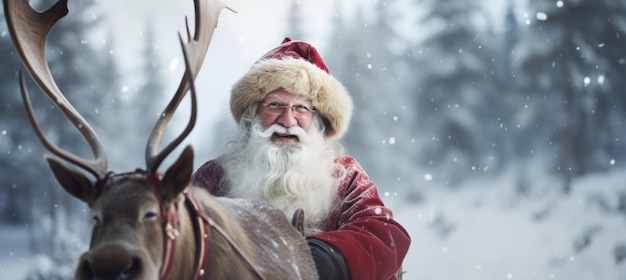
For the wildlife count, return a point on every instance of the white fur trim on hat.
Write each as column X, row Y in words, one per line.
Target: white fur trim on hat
column 298, row 77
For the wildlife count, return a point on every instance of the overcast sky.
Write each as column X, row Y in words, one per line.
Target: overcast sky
column 240, row 38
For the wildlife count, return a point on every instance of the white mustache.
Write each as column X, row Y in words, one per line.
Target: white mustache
column 279, row 129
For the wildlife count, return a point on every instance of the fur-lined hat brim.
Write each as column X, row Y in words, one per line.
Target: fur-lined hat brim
column 298, row 77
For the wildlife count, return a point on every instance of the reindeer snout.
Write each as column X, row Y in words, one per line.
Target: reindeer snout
column 111, row 261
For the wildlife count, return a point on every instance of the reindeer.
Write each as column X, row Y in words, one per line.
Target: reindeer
column 150, row 225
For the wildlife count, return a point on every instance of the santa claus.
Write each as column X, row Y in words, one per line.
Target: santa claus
column 291, row 112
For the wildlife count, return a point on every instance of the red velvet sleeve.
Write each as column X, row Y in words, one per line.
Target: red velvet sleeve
column 372, row 242
column 208, row 177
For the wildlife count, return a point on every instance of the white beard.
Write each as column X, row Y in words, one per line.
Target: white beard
column 288, row 176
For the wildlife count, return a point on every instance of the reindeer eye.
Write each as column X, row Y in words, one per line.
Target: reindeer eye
column 150, row 215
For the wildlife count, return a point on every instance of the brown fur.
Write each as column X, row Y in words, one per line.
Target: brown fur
column 127, row 238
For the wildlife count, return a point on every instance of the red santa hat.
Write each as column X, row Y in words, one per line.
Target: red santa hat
column 296, row 67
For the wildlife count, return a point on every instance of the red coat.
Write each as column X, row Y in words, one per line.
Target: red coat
column 362, row 228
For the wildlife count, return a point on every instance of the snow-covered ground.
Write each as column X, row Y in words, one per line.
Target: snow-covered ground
column 486, row 230
column 489, row 229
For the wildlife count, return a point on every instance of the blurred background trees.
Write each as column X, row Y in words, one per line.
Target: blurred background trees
column 444, row 91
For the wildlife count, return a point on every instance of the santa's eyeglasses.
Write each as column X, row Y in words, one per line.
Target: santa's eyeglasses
column 299, row 111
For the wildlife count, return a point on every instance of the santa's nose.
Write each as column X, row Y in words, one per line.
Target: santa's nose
column 287, row 118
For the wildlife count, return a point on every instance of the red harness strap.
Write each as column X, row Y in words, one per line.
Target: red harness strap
column 204, row 221
column 201, row 223
column 171, row 230
column 201, row 228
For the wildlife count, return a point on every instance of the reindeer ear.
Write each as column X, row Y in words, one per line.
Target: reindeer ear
column 74, row 182
column 178, row 176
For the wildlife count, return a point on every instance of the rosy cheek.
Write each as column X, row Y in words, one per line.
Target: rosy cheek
column 304, row 124
column 267, row 120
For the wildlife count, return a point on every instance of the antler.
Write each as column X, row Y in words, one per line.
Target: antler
column 206, row 15
column 29, row 30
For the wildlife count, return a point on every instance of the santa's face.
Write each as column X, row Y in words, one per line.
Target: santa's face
column 287, row 110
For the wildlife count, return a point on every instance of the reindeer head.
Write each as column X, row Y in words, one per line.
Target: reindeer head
column 136, row 221
column 134, row 211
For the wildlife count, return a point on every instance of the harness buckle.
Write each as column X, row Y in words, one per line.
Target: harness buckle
column 171, row 232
